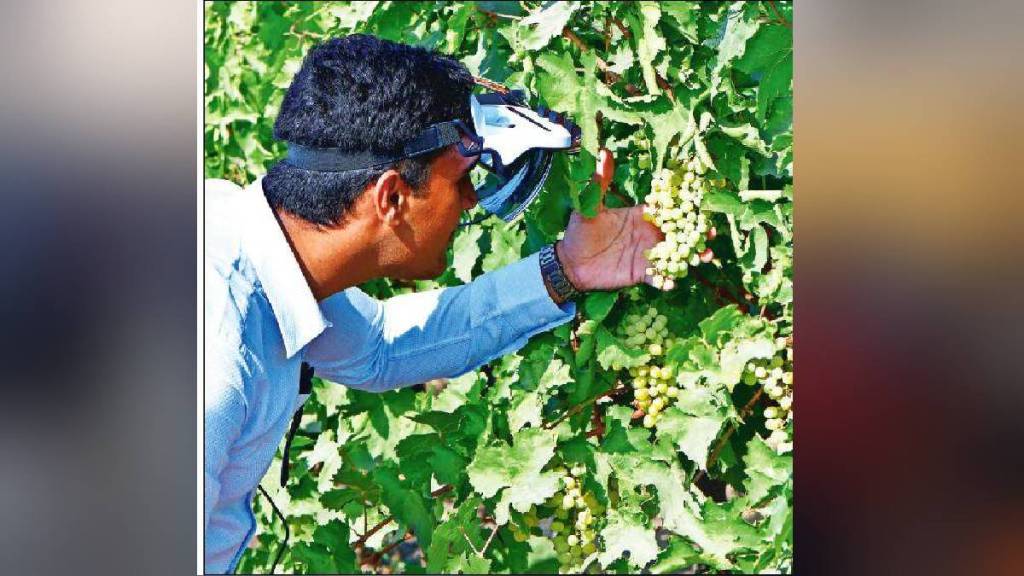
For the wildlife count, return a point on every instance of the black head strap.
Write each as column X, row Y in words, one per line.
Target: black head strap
column 433, row 138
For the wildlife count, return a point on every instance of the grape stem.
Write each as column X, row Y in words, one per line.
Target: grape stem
column 728, row 434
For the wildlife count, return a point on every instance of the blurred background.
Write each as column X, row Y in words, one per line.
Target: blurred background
column 908, row 287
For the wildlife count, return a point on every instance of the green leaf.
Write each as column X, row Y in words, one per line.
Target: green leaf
column 693, row 429
column 525, row 409
column 516, row 470
column 466, row 250
column 448, row 465
column 406, row 505
column 335, row 535
column 685, row 15
column 557, row 82
column 315, row 556
column 543, row 24
column 506, row 247
column 597, row 305
column 765, row 469
column 506, row 7
column 649, row 42
column 626, row 531
column 734, row 358
column 454, row 537
column 542, row 558
column 770, row 53
column 677, row 121
column 739, row 28
column 678, row 556
column 722, row 322
column 470, row 563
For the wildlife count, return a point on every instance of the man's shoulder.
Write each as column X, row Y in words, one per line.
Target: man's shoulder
column 229, row 277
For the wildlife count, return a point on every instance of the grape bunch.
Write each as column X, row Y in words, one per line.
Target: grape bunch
column 776, row 377
column 673, row 205
column 654, row 384
column 574, row 513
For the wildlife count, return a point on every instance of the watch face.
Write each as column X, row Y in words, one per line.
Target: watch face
column 509, row 199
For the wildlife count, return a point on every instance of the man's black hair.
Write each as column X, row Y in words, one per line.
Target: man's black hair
column 361, row 93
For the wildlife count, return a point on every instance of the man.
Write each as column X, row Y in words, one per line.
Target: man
column 284, row 257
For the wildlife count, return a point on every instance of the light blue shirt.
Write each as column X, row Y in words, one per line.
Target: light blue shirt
column 262, row 322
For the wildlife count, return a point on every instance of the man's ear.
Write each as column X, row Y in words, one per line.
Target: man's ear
column 390, row 197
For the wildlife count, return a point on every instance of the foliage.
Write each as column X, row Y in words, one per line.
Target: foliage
column 447, row 478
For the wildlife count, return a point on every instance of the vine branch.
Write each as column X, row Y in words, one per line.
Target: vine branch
column 495, row 15
column 488, row 543
column 362, row 539
column 576, row 409
column 778, row 14
column 728, row 434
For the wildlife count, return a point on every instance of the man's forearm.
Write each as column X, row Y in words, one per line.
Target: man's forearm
column 439, row 333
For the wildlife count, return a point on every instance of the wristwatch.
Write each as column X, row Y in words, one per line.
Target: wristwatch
column 554, row 274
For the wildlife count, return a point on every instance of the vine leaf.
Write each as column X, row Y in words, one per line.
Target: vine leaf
column 405, row 504
column 627, row 531
column 765, row 469
column 465, row 251
column 516, row 469
column 693, row 423
column 540, row 26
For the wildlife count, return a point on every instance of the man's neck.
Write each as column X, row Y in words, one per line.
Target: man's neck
column 330, row 260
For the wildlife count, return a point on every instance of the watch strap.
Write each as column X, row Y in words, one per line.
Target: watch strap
column 552, row 271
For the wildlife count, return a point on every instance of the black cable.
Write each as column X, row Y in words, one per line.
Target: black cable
column 305, row 387
column 285, row 460
column 287, row 534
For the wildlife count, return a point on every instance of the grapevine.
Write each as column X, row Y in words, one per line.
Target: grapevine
column 653, row 434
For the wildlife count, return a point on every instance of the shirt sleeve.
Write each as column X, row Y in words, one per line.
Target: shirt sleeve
column 377, row 346
column 223, row 416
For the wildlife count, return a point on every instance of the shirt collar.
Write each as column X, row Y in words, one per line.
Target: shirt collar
column 298, row 315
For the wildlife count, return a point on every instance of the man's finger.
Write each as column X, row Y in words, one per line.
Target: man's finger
column 603, row 174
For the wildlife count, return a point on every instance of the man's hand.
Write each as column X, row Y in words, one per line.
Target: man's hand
column 607, row 251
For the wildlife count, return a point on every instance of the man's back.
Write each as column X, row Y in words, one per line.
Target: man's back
column 250, row 385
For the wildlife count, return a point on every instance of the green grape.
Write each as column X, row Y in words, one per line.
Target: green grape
column 786, row 402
